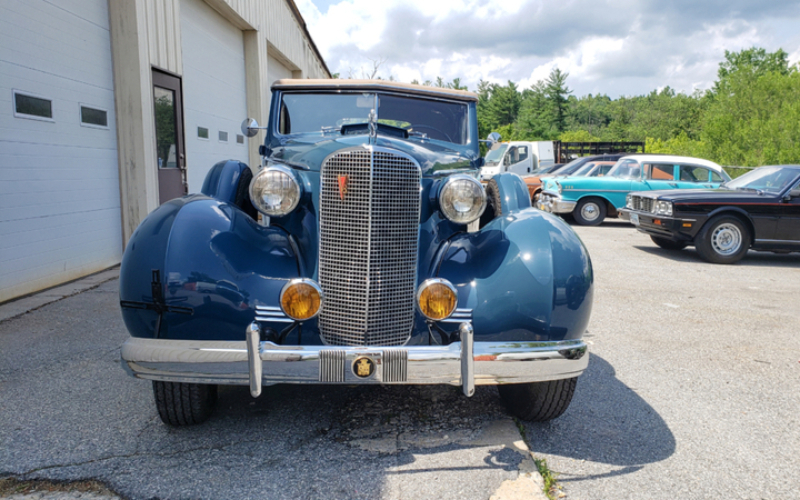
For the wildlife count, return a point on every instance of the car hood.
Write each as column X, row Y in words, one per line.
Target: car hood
column 701, row 195
column 432, row 156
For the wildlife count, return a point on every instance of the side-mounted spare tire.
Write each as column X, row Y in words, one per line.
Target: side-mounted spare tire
column 538, row 401
column 494, row 207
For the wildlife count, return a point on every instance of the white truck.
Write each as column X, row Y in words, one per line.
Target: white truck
column 519, row 157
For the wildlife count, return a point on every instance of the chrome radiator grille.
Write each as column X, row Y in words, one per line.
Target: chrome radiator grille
column 642, row 204
column 369, row 231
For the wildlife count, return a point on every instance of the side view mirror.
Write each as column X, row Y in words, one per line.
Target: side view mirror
column 492, row 139
column 250, row 127
column 794, row 193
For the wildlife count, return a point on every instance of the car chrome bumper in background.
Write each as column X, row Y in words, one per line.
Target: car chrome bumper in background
column 255, row 363
column 554, row 204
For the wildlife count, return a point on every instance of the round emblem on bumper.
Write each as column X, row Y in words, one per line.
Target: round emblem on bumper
column 363, row 367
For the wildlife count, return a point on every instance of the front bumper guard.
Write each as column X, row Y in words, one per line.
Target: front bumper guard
column 554, row 204
column 255, row 363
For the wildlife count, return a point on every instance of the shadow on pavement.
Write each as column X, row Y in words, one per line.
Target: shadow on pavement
column 753, row 258
column 607, row 422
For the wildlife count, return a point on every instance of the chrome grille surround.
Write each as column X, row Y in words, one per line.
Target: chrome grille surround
column 368, row 246
column 642, row 203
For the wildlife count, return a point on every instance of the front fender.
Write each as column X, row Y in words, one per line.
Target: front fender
column 214, row 264
column 526, row 276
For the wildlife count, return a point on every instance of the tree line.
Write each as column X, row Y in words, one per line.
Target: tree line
column 750, row 116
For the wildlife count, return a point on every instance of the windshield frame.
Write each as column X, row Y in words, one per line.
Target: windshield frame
column 741, row 182
column 274, row 132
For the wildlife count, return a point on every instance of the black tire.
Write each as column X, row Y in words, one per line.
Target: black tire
column 494, row 208
column 538, row 401
column 590, row 211
column 668, row 244
column 724, row 239
column 243, row 194
column 184, row 404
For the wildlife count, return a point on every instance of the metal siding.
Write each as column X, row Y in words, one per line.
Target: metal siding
column 59, row 181
column 214, row 89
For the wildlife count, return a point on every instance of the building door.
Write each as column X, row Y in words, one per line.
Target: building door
column 168, row 103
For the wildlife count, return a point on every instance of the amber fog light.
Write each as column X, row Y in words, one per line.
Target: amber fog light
column 301, row 299
column 437, row 299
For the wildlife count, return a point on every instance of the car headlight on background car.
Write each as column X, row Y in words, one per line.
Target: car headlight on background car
column 629, row 201
column 462, row 199
column 558, row 187
column 662, row 207
column 275, row 191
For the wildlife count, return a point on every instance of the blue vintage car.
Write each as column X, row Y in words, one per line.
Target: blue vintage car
column 591, row 199
column 363, row 251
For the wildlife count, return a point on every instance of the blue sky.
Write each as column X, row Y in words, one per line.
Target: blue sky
column 625, row 47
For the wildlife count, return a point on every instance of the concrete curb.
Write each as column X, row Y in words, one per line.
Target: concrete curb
column 18, row 307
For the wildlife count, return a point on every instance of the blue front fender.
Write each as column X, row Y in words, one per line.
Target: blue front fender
column 526, row 276
column 214, row 264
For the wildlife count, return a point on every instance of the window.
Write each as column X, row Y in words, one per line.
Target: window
column 29, row 106
column 94, row 117
column 690, row 173
column 223, row 136
column 523, row 153
column 202, row 132
column 660, row 172
column 240, row 138
column 715, row 177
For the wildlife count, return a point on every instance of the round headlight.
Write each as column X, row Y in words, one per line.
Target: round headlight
column 462, row 199
column 437, row 299
column 301, row 299
column 274, row 191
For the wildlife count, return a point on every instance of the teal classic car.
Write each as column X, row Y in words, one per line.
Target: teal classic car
column 591, row 199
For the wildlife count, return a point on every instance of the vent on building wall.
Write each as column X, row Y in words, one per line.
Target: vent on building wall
column 240, row 138
column 202, row 132
column 223, row 136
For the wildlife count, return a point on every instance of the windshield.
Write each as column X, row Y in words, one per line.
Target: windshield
column 494, row 156
column 584, row 170
column 563, row 168
column 328, row 113
column 627, row 169
column 769, row 179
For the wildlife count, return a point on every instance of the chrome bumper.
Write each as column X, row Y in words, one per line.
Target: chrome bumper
column 554, row 204
column 255, row 363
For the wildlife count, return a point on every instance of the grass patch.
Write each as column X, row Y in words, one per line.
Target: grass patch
column 10, row 486
column 551, row 488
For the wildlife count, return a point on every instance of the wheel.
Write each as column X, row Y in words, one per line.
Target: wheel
column 493, row 206
column 184, row 404
column 668, row 244
column 723, row 240
column 590, row 212
column 538, row 401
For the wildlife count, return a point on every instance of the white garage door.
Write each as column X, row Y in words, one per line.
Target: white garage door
column 59, row 181
column 214, row 92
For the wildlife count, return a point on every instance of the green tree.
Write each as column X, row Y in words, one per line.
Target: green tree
column 556, row 91
column 756, row 61
column 502, row 106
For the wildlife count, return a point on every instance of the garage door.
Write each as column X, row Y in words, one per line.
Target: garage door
column 214, row 92
column 59, row 181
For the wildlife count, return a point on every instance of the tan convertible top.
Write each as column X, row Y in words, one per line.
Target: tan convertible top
column 374, row 85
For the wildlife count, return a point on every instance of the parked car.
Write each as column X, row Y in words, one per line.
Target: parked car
column 591, row 199
column 378, row 258
column 759, row 210
column 534, row 182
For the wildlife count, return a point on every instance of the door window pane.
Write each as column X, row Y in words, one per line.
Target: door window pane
column 661, row 172
column 715, row 177
column 166, row 136
column 690, row 173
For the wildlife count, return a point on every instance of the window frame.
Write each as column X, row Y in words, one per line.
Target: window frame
column 26, row 116
column 82, row 105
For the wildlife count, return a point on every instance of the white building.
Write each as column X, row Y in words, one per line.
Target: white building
column 103, row 101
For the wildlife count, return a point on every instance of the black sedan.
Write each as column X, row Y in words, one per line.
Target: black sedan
column 759, row 210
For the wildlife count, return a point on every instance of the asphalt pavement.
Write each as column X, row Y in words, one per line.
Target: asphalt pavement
column 691, row 393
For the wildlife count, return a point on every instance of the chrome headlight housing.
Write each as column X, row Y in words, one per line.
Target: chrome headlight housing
column 629, row 201
column 662, row 207
column 558, row 186
column 275, row 191
column 462, row 199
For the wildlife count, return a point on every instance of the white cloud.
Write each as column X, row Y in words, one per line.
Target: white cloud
column 616, row 48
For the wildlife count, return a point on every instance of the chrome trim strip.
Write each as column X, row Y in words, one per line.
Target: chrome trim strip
column 277, row 319
column 777, row 241
column 227, row 362
column 332, row 365
column 269, row 308
column 395, row 365
column 596, row 190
